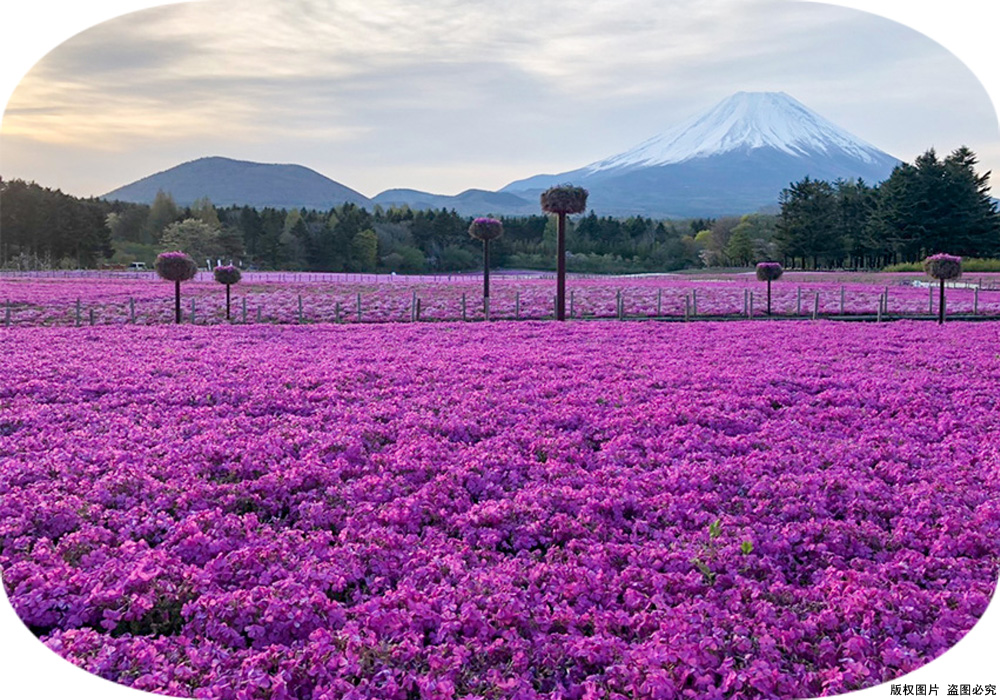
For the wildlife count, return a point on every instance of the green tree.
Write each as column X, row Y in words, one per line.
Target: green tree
column 194, row 237
column 162, row 212
column 806, row 226
column 364, row 250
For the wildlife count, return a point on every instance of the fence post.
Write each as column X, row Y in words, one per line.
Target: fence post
column 359, row 307
column 6, row 314
column 244, row 310
column 746, row 303
column 816, row 306
column 192, row 310
column 694, row 302
column 259, row 319
column 975, row 301
column 418, row 309
column 572, row 303
column 413, row 306
column 78, row 321
column 90, row 312
column 930, row 299
column 878, row 317
column 798, row 302
column 841, row 300
column 131, row 310
column 464, row 315
column 659, row 302
column 517, row 306
column 336, row 313
column 687, row 306
column 750, row 306
column 300, row 309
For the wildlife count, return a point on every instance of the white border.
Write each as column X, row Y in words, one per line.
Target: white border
column 28, row 30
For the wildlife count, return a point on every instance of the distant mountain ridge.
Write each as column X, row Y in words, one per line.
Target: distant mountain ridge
column 226, row 181
column 734, row 158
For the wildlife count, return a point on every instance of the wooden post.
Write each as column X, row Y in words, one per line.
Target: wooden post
column 464, row 315
column 941, row 305
column 659, row 302
column 177, row 301
column 244, row 310
column 746, row 303
column 78, row 322
column 572, row 304
column 975, row 301
column 300, row 309
column 750, row 306
column 359, row 307
column 131, row 310
column 816, row 306
column 413, row 306
column 798, row 302
column 192, row 310
column 336, row 312
column 517, row 305
column 930, row 299
column 694, row 302
column 418, row 309
column 259, row 319
column 878, row 317
column 90, row 312
column 687, row 306
column 6, row 314
column 842, row 300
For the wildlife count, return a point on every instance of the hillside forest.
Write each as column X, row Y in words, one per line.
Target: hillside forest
column 932, row 205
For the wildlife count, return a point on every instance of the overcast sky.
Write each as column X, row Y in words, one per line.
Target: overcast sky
column 444, row 95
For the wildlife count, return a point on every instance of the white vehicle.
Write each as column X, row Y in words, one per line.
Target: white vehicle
column 137, row 267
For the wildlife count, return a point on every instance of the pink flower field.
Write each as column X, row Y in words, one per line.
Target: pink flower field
column 332, row 298
column 505, row 510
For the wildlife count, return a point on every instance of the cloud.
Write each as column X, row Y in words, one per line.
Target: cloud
column 353, row 87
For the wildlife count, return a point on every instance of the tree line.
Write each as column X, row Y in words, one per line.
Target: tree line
column 930, row 206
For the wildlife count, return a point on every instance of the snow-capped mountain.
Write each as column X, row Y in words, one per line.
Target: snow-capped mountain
column 746, row 121
column 733, row 158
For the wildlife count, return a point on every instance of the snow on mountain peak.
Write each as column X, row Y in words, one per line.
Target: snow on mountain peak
column 745, row 121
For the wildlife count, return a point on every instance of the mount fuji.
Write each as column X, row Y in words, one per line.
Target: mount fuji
column 732, row 159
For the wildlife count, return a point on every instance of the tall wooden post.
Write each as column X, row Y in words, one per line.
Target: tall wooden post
column 561, row 268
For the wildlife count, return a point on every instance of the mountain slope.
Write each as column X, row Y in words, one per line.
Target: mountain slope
column 733, row 158
column 468, row 203
column 225, row 181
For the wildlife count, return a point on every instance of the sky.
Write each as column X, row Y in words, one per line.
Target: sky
column 446, row 95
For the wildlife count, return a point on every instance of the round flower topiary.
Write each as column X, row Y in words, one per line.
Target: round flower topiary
column 227, row 274
column 943, row 266
column 486, row 229
column 175, row 266
column 564, row 199
column 768, row 271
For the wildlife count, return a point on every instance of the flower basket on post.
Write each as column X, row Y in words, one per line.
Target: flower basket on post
column 562, row 200
column 768, row 272
column 175, row 267
column 486, row 229
column 943, row 267
column 227, row 275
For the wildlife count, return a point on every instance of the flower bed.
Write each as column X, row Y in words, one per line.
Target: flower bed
column 529, row 510
column 53, row 301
